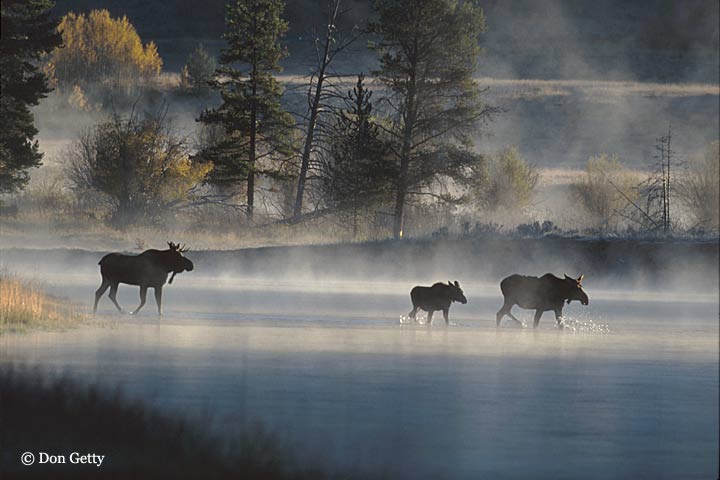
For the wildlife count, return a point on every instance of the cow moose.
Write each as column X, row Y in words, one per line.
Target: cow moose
column 437, row 297
column 541, row 294
column 148, row 269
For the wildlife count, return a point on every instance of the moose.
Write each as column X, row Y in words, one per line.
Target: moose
column 437, row 297
column 541, row 294
column 148, row 269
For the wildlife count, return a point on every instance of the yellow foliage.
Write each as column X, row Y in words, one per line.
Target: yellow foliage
column 99, row 48
column 78, row 100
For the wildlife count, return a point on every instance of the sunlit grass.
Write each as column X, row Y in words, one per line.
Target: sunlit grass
column 23, row 305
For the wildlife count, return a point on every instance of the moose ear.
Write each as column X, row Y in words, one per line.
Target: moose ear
column 457, row 284
column 450, row 282
column 580, row 278
column 567, row 277
column 170, row 244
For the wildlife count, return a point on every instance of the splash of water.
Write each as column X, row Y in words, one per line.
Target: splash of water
column 585, row 326
column 420, row 319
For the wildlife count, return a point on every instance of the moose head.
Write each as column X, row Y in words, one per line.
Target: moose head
column 456, row 292
column 575, row 290
column 176, row 261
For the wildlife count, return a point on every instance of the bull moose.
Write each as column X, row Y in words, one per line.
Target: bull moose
column 541, row 294
column 148, row 269
column 437, row 297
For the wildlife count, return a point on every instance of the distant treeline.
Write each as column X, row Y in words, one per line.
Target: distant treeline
column 644, row 39
column 475, row 259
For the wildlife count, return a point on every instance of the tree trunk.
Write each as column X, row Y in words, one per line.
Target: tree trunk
column 402, row 183
column 253, row 132
column 251, row 160
column 399, row 216
column 314, row 109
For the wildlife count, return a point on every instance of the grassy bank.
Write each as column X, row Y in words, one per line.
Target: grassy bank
column 24, row 305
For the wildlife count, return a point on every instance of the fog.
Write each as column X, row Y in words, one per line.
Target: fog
column 326, row 365
column 307, row 333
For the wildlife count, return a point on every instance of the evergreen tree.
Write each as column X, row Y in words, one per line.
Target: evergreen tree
column 198, row 71
column 253, row 120
column 357, row 173
column 27, row 33
column 428, row 53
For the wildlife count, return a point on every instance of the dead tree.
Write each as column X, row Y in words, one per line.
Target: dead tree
column 655, row 211
column 320, row 90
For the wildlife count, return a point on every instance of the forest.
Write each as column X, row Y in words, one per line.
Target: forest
column 327, row 123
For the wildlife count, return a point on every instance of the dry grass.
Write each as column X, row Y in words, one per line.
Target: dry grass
column 23, row 305
column 531, row 88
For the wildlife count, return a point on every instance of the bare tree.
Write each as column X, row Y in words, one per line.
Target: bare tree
column 655, row 208
column 327, row 48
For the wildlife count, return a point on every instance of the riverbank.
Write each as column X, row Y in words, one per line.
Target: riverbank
column 24, row 306
column 684, row 265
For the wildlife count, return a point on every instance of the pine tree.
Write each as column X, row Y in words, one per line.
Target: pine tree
column 27, row 32
column 253, row 120
column 428, row 53
column 357, row 173
column 198, row 72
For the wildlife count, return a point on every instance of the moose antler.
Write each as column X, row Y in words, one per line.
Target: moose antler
column 183, row 249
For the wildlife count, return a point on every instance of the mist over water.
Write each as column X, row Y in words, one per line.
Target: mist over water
column 313, row 340
column 326, row 365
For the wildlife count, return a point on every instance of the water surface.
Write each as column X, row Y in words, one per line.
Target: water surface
column 334, row 374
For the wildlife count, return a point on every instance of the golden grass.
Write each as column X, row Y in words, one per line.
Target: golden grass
column 23, row 306
column 533, row 88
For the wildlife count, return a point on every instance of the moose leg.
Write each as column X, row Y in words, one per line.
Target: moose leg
column 499, row 316
column 113, row 293
column 505, row 310
column 158, row 299
column 430, row 314
column 445, row 316
column 143, row 296
column 536, row 320
column 559, row 318
column 413, row 313
column 99, row 293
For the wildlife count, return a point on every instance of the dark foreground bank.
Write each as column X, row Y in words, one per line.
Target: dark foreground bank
column 79, row 432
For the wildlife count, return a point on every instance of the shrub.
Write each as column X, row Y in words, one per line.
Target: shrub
column 599, row 192
column 699, row 189
column 138, row 166
column 536, row 229
column 510, row 183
